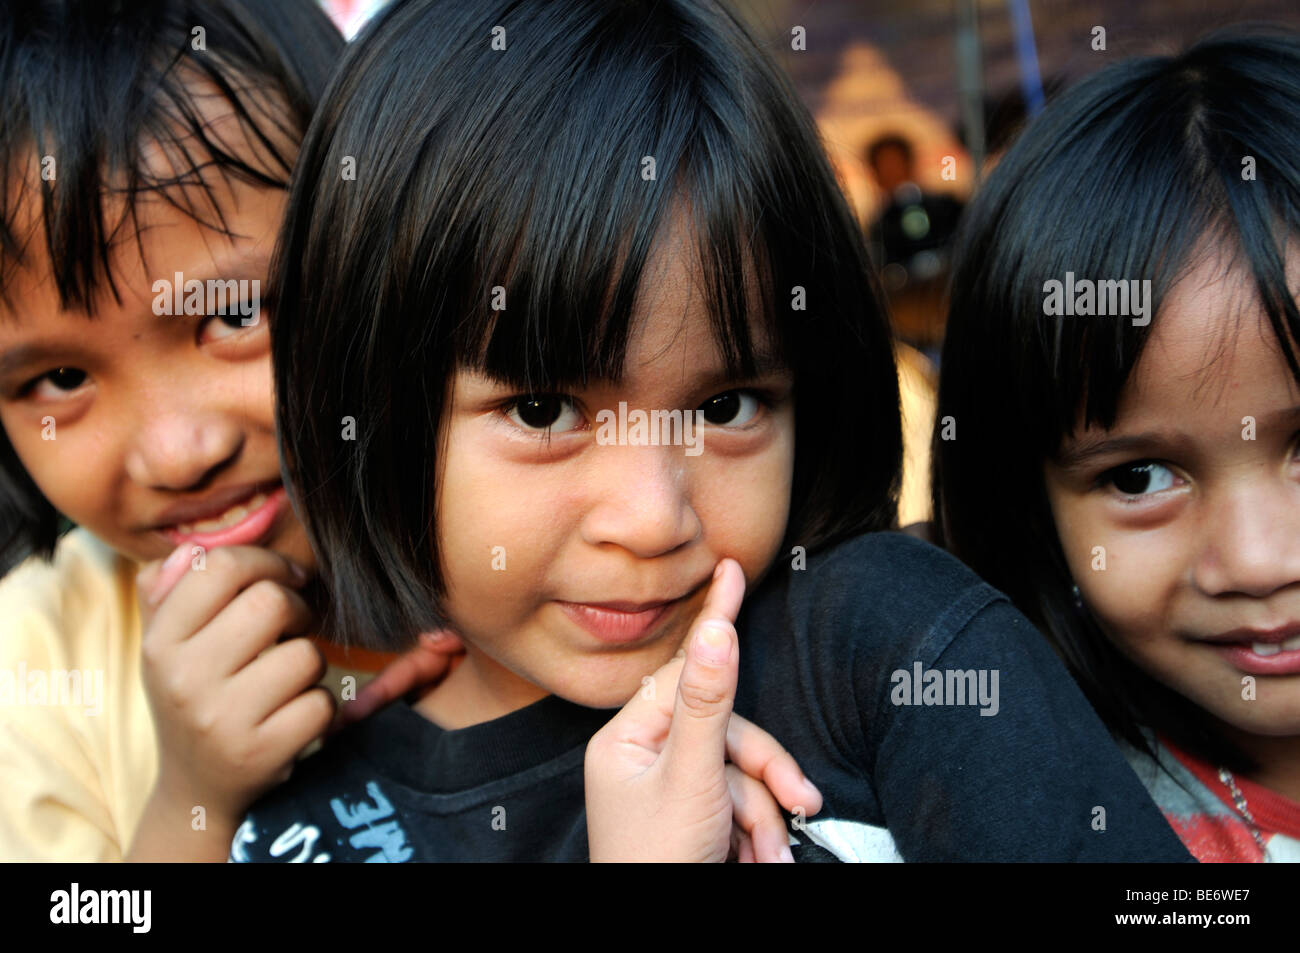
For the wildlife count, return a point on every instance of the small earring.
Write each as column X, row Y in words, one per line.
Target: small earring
column 1078, row 596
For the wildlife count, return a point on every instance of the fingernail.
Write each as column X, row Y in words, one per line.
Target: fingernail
column 786, row 856
column 299, row 573
column 151, row 596
column 812, row 788
column 713, row 643
column 717, row 571
column 178, row 554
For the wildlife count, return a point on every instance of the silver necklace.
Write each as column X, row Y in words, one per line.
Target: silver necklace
column 1239, row 802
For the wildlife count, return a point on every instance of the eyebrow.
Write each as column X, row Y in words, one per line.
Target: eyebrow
column 237, row 267
column 1280, row 417
column 252, row 266
column 1087, row 450
column 765, row 365
column 27, row 355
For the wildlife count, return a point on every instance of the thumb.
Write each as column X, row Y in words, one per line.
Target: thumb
column 706, row 691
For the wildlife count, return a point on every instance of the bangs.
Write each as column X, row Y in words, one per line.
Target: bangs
column 107, row 105
column 1166, row 149
column 544, row 280
column 577, row 299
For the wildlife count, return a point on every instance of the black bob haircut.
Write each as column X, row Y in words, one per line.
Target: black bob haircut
column 95, row 83
column 522, row 168
column 1135, row 173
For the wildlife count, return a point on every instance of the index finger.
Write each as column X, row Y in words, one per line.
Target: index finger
column 726, row 592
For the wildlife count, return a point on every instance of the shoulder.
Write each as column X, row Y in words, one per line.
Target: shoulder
column 77, row 552
column 71, row 609
column 886, row 580
column 859, row 612
column 82, row 571
column 881, row 550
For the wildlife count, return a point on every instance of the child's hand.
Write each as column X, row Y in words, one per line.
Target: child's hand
column 426, row 664
column 232, row 709
column 657, row 783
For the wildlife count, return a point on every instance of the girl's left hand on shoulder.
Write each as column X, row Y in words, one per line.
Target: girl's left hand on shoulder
column 659, row 785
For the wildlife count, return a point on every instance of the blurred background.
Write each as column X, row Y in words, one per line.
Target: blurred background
column 916, row 99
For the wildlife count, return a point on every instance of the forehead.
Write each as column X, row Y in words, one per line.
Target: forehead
column 671, row 322
column 175, row 222
column 1212, row 352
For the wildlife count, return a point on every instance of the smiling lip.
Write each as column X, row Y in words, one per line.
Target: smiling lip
column 1244, row 658
column 1261, row 651
column 211, row 506
column 618, row 622
column 1282, row 633
column 249, row 527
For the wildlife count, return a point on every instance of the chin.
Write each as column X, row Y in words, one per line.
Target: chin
column 1269, row 725
column 1271, row 717
column 588, row 697
column 602, row 689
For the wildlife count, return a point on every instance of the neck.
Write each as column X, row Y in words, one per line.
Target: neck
column 479, row 689
column 1278, row 760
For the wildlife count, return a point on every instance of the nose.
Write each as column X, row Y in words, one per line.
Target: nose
column 180, row 449
column 1252, row 542
column 642, row 501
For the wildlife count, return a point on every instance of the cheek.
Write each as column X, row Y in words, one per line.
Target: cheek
column 254, row 388
column 1127, row 604
column 1128, row 579
column 496, row 527
column 71, row 466
column 744, row 505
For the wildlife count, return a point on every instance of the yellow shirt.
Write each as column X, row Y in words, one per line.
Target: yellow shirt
column 78, row 756
column 77, row 765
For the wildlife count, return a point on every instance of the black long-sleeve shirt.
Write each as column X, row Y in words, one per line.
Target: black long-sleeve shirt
column 933, row 717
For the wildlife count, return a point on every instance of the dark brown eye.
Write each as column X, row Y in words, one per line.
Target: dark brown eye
column 544, row 412
column 1137, row 479
column 735, row 408
column 66, row 378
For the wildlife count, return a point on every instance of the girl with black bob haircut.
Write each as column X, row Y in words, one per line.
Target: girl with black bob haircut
column 539, row 190
column 1076, row 467
column 557, row 221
